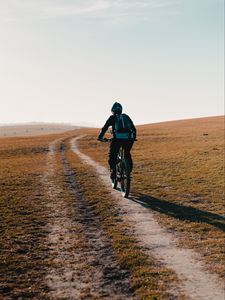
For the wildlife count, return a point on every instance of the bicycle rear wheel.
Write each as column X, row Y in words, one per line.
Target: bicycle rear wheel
column 125, row 180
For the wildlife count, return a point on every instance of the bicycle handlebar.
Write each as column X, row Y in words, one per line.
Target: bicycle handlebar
column 105, row 140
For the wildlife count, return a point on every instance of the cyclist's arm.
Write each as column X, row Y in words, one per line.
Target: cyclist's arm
column 108, row 123
column 133, row 128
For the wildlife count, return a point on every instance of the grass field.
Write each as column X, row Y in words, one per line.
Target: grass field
column 179, row 172
column 33, row 129
column 178, row 175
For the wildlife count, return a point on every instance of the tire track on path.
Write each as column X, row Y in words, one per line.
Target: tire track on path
column 197, row 283
column 83, row 262
column 60, row 278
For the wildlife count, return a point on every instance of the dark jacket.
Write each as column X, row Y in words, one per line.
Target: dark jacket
column 111, row 122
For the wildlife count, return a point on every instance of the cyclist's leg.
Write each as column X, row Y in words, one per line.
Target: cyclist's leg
column 127, row 147
column 113, row 150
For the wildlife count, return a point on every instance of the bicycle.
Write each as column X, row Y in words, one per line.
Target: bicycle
column 122, row 172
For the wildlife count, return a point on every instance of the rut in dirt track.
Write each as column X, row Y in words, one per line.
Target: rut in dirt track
column 90, row 272
column 196, row 282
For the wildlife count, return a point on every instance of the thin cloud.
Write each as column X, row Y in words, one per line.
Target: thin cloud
column 108, row 7
column 91, row 8
column 79, row 8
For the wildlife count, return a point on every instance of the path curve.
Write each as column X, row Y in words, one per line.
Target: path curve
column 197, row 282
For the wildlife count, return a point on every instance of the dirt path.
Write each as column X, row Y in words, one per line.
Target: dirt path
column 83, row 262
column 60, row 277
column 197, row 283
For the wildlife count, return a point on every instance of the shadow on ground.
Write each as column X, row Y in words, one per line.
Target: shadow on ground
column 181, row 212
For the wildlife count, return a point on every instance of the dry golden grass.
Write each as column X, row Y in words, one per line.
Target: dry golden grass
column 22, row 222
column 178, row 172
column 23, row 251
column 25, row 255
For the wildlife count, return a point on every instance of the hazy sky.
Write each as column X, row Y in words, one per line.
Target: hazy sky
column 69, row 60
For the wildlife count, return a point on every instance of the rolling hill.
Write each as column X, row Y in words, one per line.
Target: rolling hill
column 65, row 234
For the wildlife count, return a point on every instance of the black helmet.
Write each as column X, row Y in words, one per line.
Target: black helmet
column 116, row 108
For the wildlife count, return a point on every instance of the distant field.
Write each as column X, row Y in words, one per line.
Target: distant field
column 63, row 235
column 33, row 129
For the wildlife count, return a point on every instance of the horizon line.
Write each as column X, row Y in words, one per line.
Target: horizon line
column 90, row 125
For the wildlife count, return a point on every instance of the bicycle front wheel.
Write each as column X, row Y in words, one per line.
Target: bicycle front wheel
column 125, row 178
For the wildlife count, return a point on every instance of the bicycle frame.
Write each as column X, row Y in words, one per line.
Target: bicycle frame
column 122, row 172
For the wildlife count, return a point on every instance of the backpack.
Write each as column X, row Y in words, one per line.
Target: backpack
column 123, row 127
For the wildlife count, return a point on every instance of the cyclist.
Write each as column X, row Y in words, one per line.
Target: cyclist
column 124, row 136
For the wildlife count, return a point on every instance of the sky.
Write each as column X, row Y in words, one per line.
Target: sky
column 70, row 60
